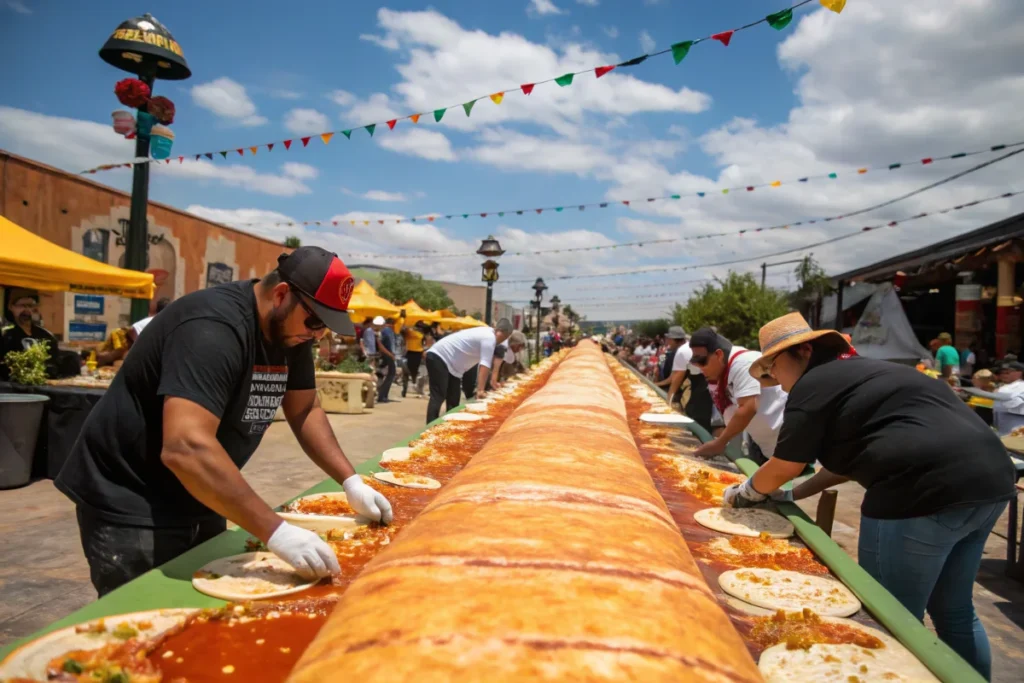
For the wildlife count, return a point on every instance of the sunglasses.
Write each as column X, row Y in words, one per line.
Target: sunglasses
column 699, row 361
column 312, row 322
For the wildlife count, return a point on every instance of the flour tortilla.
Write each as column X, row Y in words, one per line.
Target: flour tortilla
column 396, row 454
column 30, row 660
column 891, row 663
column 412, row 481
column 478, row 407
column 463, row 417
column 323, row 523
column 665, row 418
column 745, row 522
column 790, row 591
column 249, row 576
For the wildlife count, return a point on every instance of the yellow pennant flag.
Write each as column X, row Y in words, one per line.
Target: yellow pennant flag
column 352, row 222
column 497, row 97
column 777, row 183
column 326, row 137
column 253, row 150
column 834, row 5
column 415, row 118
column 862, row 171
column 366, row 222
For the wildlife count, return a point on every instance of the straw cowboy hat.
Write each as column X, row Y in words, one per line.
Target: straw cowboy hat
column 788, row 331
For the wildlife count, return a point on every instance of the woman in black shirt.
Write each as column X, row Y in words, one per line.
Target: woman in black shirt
column 937, row 477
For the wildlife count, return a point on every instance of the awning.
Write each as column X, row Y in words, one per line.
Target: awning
column 28, row 260
column 463, row 323
column 366, row 303
column 415, row 313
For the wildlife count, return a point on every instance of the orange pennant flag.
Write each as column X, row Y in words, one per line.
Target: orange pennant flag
column 326, row 137
column 253, row 150
column 777, row 183
column 834, row 5
column 497, row 97
column 415, row 118
column 862, row 171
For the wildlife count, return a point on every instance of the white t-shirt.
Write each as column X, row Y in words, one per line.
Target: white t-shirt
column 141, row 325
column 682, row 358
column 462, row 350
column 764, row 428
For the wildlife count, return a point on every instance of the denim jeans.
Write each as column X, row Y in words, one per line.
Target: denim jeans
column 931, row 563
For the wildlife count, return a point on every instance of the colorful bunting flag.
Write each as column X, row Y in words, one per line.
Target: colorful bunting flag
column 776, row 183
column 253, row 150
column 391, row 124
column 415, row 118
column 527, row 88
column 347, row 134
column 241, row 152
column 287, row 144
column 635, row 61
column 602, row 70
column 834, row 5
column 724, row 37
column 224, row 154
column 370, row 128
column 780, row 20
column 270, row 146
column 497, row 97
column 305, row 140
column 468, row 106
column 439, row 114
column 680, row 50
column 564, row 80
column 326, row 137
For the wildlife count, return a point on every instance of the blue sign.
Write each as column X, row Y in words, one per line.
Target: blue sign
column 87, row 332
column 88, row 304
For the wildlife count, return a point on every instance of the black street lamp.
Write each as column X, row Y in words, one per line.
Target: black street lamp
column 491, row 249
column 144, row 47
column 539, row 288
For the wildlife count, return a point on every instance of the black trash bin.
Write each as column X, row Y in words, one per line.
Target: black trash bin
column 21, row 418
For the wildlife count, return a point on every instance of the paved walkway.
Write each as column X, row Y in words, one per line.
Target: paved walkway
column 43, row 574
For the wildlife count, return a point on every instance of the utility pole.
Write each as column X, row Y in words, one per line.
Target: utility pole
column 766, row 266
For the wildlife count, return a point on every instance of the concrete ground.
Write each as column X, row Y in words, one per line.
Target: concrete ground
column 43, row 574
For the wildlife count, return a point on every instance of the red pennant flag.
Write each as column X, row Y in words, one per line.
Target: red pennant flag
column 750, row 188
column 381, row 222
column 430, row 218
column 241, row 152
column 724, row 37
column 626, row 202
column 926, row 160
column 167, row 161
column 305, row 141
column 270, row 146
column 335, row 223
column 391, row 123
column 602, row 70
column 287, row 144
column 527, row 88
column 483, row 215
column 181, row 160
column 539, row 210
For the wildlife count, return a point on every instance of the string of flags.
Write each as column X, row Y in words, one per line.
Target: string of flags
column 830, row 240
column 629, row 203
column 777, row 20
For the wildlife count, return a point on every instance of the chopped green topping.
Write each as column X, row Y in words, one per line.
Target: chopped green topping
column 119, row 677
column 123, row 631
column 72, row 667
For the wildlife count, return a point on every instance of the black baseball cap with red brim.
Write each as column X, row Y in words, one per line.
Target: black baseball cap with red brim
column 323, row 277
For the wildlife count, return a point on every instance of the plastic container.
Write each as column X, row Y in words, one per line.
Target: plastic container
column 124, row 122
column 160, row 141
column 21, row 416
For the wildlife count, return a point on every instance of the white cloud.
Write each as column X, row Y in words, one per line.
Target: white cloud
column 517, row 151
column 283, row 94
column 228, row 100
column 419, row 142
column 611, row 31
column 300, row 171
column 342, row 98
column 386, row 42
column 384, row 196
column 234, row 175
column 589, row 3
column 306, row 122
column 375, row 108
column 18, row 7
column 647, row 43
column 543, row 8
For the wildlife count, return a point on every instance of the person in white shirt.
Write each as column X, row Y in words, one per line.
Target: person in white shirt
column 1008, row 409
column 503, row 354
column 675, row 369
column 140, row 325
column 742, row 401
column 451, row 357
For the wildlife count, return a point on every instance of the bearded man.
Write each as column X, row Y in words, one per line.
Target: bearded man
column 155, row 470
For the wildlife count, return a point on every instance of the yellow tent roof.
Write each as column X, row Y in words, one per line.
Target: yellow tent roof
column 366, row 303
column 415, row 313
column 463, row 323
column 28, row 260
column 446, row 313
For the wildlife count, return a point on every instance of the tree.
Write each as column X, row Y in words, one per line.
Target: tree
column 652, row 328
column 398, row 286
column 292, row 242
column 572, row 316
column 737, row 306
column 814, row 285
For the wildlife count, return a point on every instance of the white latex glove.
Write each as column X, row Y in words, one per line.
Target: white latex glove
column 304, row 550
column 367, row 501
column 742, row 495
column 782, row 496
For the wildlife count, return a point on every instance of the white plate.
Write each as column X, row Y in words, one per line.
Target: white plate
column 665, row 419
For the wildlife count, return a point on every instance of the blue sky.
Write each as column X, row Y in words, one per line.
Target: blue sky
column 831, row 91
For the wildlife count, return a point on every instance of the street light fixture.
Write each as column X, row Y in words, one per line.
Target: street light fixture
column 491, row 249
column 144, row 47
column 539, row 288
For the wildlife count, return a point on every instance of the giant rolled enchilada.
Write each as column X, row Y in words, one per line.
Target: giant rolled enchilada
column 550, row 555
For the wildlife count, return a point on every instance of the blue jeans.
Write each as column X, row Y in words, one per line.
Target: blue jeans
column 931, row 562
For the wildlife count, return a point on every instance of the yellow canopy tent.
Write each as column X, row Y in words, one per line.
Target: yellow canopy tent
column 28, row 260
column 463, row 323
column 366, row 303
column 415, row 313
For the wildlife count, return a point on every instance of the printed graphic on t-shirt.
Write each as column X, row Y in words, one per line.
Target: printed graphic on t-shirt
column 266, row 391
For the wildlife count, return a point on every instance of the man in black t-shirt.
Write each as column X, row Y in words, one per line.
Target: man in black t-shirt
column 23, row 333
column 155, row 470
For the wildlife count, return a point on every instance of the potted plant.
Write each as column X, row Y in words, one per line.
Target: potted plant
column 21, row 415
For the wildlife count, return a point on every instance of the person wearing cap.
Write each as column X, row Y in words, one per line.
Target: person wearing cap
column 155, row 470
column 937, row 478
column 676, row 369
column 505, row 354
column 368, row 340
column 744, row 404
column 1008, row 409
column 23, row 333
column 449, row 359
column 947, row 358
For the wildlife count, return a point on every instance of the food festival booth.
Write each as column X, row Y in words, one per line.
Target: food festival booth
column 522, row 547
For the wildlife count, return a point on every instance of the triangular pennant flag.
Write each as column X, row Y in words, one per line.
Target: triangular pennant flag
column 558, row 208
column 270, row 146
column 780, row 20
column 483, row 215
column 253, row 150
column 862, row 171
column 564, row 80
column 305, row 140
column 926, row 160
column 680, row 50
column 370, row 128
column 582, row 207
column 700, row 194
column 241, row 152
column 181, row 160
column 501, row 213
column 725, row 191
column 602, row 70
column 750, row 188
column 439, row 114
column 326, row 137
column 381, row 222
column 538, row 211
column 634, row 61
column 468, row 106
column 347, row 134
column 776, row 183
column 224, row 154
column 724, row 37
column 447, row 218
column 497, row 97
column 833, row 176
column 352, row 222
column 167, row 161
column 465, row 215
column 519, row 213
column 834, row 5
column 626, row 202
column 430, row 219
column 527, row 88
column 676, row 196
column 391, row 124
column 415, row 118
column 287, row 144
column 603, row 205
column 335, row 223
column 197, row 156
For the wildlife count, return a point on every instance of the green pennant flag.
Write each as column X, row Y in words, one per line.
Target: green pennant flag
column 780, row 20
column 439, row 114
column 675, row 196
column 501, row 213
column 224, row 154
column 347, row 133
column 465, row 215
column 468, row 106
column 833, row 176
column 558, row 208
column 370, row 128
column 680, row 50
column 564, row 80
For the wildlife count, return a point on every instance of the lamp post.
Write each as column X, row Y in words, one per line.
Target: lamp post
column 144, row 47
column 491, row 249
column 539, row 288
